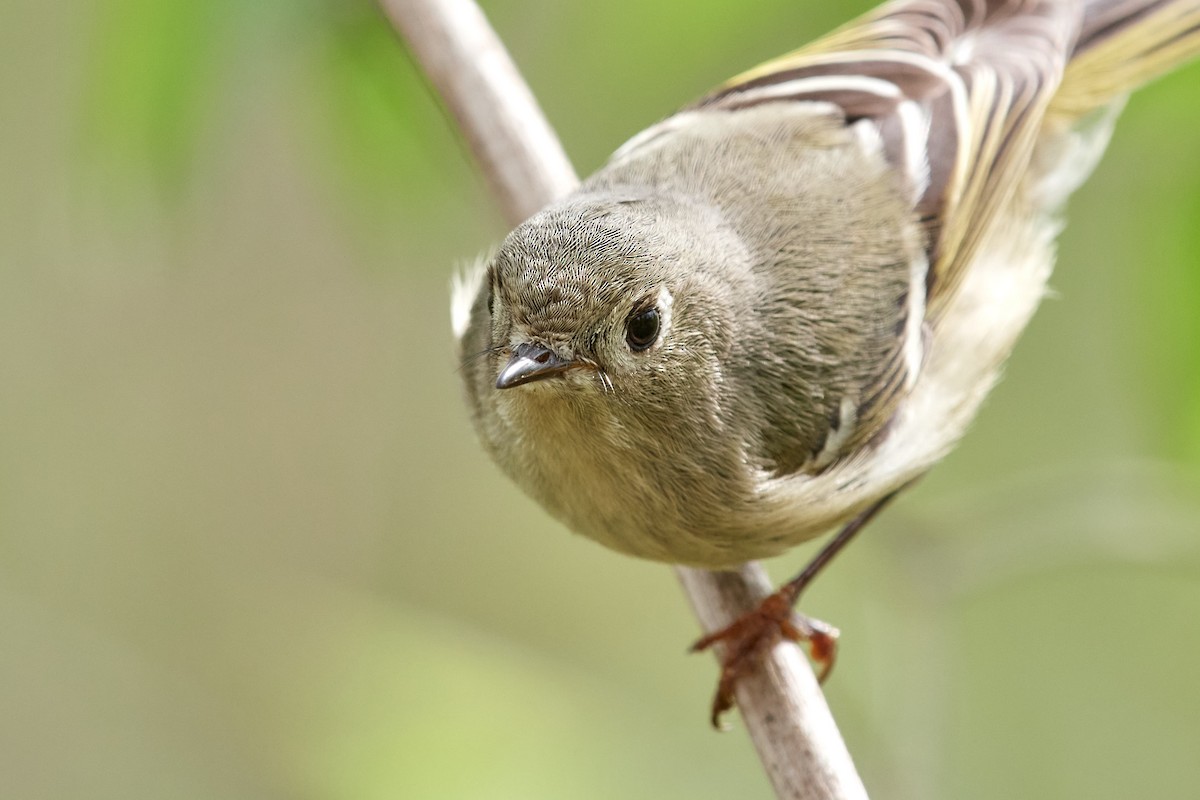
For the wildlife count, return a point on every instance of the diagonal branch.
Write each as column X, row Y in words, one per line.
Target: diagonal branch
column 467, row 65
column 785, row 711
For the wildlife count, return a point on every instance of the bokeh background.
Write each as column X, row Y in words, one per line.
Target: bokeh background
column 249, row 547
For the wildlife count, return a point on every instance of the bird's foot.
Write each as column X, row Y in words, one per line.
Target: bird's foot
column 754, row 632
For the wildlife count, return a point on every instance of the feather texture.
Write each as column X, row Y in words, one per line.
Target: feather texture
column 850, row 238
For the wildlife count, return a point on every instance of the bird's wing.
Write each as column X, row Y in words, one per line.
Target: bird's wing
column 957, row 91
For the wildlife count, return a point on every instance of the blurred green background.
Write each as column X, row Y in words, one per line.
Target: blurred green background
column 249, row 547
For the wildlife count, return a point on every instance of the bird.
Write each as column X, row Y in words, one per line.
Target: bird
column 772, row 311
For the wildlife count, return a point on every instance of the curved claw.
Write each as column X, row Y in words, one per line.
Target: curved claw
column 757, row 630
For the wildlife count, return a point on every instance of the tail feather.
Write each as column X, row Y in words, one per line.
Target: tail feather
column 1124, row 44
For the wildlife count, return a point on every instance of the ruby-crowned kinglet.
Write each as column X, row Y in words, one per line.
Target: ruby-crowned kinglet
column 774, row 309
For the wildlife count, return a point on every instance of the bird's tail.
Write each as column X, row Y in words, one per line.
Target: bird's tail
column 1122, row 45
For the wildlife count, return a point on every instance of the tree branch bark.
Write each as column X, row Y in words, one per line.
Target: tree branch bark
column 785, row 712
column 467, row 65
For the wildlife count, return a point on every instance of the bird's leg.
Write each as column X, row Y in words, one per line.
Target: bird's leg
column 774, row 617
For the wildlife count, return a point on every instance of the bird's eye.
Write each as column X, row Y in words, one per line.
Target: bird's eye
column 641, row 330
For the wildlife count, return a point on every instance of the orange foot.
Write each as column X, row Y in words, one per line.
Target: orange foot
column 754, row 632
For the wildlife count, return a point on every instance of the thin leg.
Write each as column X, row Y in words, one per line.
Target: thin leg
column 792, row 589
column 756, row 630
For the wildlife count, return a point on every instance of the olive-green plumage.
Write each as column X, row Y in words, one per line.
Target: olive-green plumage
column 786, row 301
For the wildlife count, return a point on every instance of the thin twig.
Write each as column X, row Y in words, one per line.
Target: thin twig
column 785, row 711
column 468, row 66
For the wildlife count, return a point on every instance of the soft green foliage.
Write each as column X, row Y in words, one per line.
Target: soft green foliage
column 250, row 548
column 151, row 72
column 382, row 123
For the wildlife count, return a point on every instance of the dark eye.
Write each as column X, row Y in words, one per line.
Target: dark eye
column 641, row 330
column 491, row 299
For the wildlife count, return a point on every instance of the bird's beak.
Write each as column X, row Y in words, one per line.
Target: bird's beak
column 531, row 362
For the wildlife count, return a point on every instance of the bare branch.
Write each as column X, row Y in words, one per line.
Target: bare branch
column 469, row 67
column 783, row 706
column 785, row 711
